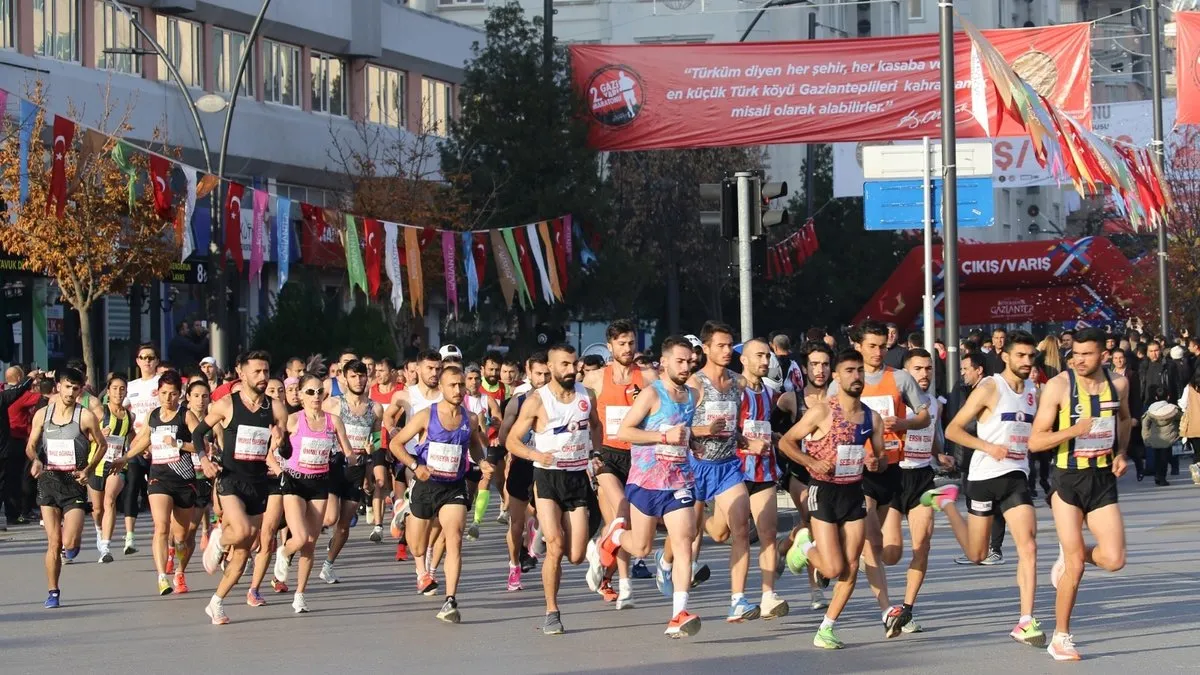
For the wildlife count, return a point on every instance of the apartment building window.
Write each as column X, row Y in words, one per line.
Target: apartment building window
column 328, row 84
column 182, row 41
column 916, row 9
column 8, row 26
column 437, row 104
column 387, row 93
column 281, row 73
column 114, row 32
column 227, row 52
column 56, row 29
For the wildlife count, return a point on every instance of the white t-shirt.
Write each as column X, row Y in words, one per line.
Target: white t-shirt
column 141, row 399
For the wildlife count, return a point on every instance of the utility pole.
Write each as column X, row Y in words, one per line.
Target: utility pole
column 1156, row 99
column 949, row 195
column 548, row 35
column 810, row 150
column 748, row 200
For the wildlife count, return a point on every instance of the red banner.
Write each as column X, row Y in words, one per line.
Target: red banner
column 643, row 97
column 1187, row 71
column 320, row 244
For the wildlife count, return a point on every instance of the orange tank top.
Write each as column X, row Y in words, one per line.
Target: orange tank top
column 614, row 403
column 885, row 399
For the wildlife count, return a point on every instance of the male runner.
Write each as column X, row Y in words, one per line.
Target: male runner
column 381, row 392
column 660, row 486
column 295, row 368
column 334, row 385
column 422, row 393
column 59, row 438
column 519, row 483
column 447, row 433
column 498, row 393
column 615, row 386
column 844, row 436
column 140, row 400
column 252, row 428
column 1084, row 419
column 1004, row 405
column 562, row 416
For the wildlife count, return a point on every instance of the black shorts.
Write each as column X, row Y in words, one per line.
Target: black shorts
column 474, row 474
column 754, row 487
column 882, row 486
column 428, row 497
column 275, row 488
column 836, row 503
column 519, row 479
column 1085, row 489
column 615, row 462
column 495, row 454
column 59, row 490
column 994, row 496
column 97, row 481
column 308, row 488
column 182, row 492
column 252, row 492
column 569, row 489
column 345, row 482
column 913, row 484
column 204, row 493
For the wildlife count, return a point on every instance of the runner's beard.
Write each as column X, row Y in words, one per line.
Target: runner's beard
column 855, row 389
column 566, row 381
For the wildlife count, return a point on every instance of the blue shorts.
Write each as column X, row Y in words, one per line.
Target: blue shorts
column 713, row 478
column 658, row 503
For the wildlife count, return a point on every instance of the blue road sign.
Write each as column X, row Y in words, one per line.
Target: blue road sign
column 899, row 204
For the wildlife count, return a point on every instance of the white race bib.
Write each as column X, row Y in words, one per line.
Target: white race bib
column 757, row 430
column 444, row 460
column 1099, row 440
column 162, row 452
column 849, row 463
column 884, row 405
column 60, row 454
column 720, row 411
column 573, row 453
column 314, row 453
column 918, row 444
column 613, row 416
column 114, row 448
column 251, row 444
column 1017, row 444
column 359, row 437
column 672, row 454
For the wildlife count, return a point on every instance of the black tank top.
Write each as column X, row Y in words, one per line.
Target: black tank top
column 166, row 461
column 247, row 439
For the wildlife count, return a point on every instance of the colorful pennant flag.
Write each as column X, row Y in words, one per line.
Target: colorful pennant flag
column 64, row 135
column 160, row 176
column 354, row 261
column 373, row 254
column 551, row 262
column 121, row 157
column 391, row 250
column 183, row 215
column 416, row 277
column 514, row 255
column 509, row 282
column 283, row 237
column 448, row 271
column 257, row 227
column 468, row 255
column 535, row 251
column 233, row 222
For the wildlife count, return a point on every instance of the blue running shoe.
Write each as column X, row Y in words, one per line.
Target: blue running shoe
column 639, row 570
column 742, row 611
column 662, row 578
column 52, row 600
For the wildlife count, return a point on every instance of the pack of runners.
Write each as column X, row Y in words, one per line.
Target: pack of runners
column 589, row 460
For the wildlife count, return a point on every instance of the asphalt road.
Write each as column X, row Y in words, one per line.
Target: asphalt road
column 1144, row 618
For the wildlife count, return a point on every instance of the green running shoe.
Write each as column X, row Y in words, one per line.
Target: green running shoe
column 827, row 639
column 796, row 560
column 1029, row 633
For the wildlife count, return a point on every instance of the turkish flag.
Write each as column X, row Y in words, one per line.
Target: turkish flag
column 425, row 237
column 526, row 260
column 479, row 244
column 373, row 259
column 560, row 252
column 160, row 175
column 64, row 134
column 233, row 223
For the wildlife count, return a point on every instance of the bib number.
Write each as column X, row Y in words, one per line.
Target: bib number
column 60, row 454
column 725, row 411
column 114, row 448
column 251, row 444
column 314, row 453
column 359, row 437
column 163, row 448
column 613, row 416
column 1099, row 440
column 849, row 466
column 444, row 460
column 1018, row 441
column 573, row 455
column 672, row 454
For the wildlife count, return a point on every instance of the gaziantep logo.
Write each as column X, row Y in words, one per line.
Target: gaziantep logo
column 615, row 95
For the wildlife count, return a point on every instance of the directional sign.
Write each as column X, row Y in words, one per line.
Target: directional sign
column 900, row 204
column 193, row 272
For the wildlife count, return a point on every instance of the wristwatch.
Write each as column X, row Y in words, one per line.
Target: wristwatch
column 414, row 465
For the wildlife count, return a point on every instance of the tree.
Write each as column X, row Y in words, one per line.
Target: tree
column 107, row 239
column 1183, row 241
column 302, row 302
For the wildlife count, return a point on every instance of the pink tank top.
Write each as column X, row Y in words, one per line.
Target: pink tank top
column 311, row 450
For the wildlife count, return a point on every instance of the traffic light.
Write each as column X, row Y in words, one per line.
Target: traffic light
column 725, row 195
column 774, row 217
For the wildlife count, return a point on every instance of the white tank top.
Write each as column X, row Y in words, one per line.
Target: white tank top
column 918, row 443
column 566, row 435
column 1008, row 426
column 416, row 403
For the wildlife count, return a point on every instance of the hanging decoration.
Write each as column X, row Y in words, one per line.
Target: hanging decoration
column 354, row 261
column 373, row 254
column 233, row 222
column 416, row 276
column 391, row 248
column 283, row 236
column 257, row 227
column 64, row 135
column 448, row 272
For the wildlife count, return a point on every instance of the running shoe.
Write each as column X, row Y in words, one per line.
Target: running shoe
column 283, row 565
column 662, row 577
column 279, row 586
column 215, row 610
column 773, row 606
column 608, row 547
column 606, row 591
column 895, row 619
column 528, row 562
column 327, row 574
column 912, row 627
column 106, row 557
column 254, row 598
column 354, row 521
column 1062, row 647
column 553, row 624
column 818, row 599
column 449, row 611
column 170, row 569
column 299, row 606
column 514, row 578
column 826, row 638
column 938, row 497
column 1059, row 568
column 397, row 525
column 129, row 547
column 993, row 558
column 180, row 583
column 684, row 624
column 700, row 574
column 796, row 560
column 639, row 570
column 427, row 585
column 377, row 534
column 595, row 571
column 164, row 586
column 624, row 596
column 963, row 560
column 52, row 600
column 213, row 553
column 502, row 518
column 401, row 552
column 473, row 531
column 743, row 611
column 1030, row 633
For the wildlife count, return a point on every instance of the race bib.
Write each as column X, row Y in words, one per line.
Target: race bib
column 849, row 463
column 573, row 454
column 314, row 453
column 1017, row 445
column 444, row 460
column 60, row 454
column 114, row 448
column 918, row 444
column 1099, row 440
column 725, row 411
column 359, row 437
column 757, row 430
column 251, row 444
column 884, row 405
column 613, row 416
column 672, row 454
column 163, row 446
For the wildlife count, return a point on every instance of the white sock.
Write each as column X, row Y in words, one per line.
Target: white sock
column 665, row 564
column 735, row 598
column 616, row 537
column 827, row 623
column 1024, row 618
column 162, row 577
column 678, row 602
column 806, row 547
column 104, row 545
column 215, row 600
column 624, row 586
column 768, row 595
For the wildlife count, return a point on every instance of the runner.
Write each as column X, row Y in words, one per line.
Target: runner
column 272, row 518
column 361, row 418
column 107, row 482
column 382, row 390
column 315, row 435
column 562, row 416
column 616, row 387
column 497, row 393
column 139, row 400
column 414, row 398
column 1004, row 405
column 198, row 398
column 62, row 471
column 485, row 407
column 1084, row 419
column 447, row 433
column 334, row 386
column 844, row 437
column 172, row 491
column 519, row 482
column 252, row 428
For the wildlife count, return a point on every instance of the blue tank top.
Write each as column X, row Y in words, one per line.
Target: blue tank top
column 444, row 451
column 659, row 466
column 335, row 389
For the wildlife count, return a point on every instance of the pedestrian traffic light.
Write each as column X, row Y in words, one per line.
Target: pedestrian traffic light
column 774, row 217
column 723, row 194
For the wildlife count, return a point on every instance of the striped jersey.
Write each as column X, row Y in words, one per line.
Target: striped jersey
column 1094, row 449
column 754, row 423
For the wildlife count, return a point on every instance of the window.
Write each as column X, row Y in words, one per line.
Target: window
column 8, row 27
column 56, row 29
column 181, row 40
column 436, row 106
column 328, row 84
column 281, row 73
column 916, row 9
column 114, row 32
column 227, row 52
column 387, row 95
column 451, row 3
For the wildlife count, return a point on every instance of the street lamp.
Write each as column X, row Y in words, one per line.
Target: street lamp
column 763, row 10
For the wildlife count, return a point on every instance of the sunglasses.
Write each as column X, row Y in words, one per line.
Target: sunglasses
column 147, row 357
column 313, row 392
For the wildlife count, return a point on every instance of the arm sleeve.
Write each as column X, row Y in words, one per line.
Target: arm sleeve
column 10, row 395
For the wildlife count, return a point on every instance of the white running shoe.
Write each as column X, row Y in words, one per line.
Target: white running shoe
column 283, row 564
column 624, row 596
column 299, row 606
column 213, row 553
column 595, row 571
column 327, row 574
column 1060, row 566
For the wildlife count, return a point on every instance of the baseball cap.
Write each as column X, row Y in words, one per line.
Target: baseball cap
column 696, row 344
column 448, row 351
column 208, row 360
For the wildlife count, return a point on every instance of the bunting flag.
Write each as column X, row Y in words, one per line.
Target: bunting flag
column 257, row 225
column 586, row 257
column 183, row 215
column 354, row 261
column 562, row 235
column 428, row 234
column 479, row 251
column 25, row 138
column 519, row 272
column 283, row 237
column 535, row 252
column 90, row 146
column 391, row 261
column 64, row 135
column 529, row 276
column 120, row 156
column 551, row 262
column 509, row 282
column 233, row 222
column 448, row 272
column 568, row 229
column 373, row 253
column 160, row 176
column 416, row 277
column 468, row 254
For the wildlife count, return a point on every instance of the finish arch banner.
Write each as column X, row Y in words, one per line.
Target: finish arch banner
column 644, row 97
